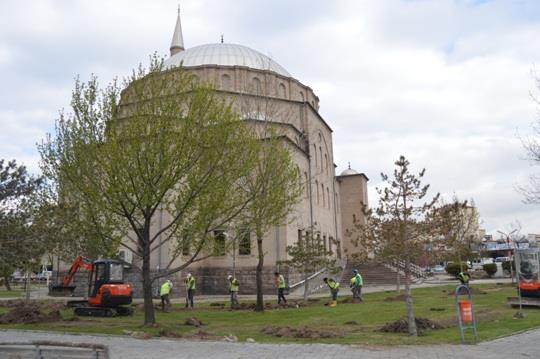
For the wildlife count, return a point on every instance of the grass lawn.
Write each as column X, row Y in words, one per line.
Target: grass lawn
column 10, row 294
column 494, row 319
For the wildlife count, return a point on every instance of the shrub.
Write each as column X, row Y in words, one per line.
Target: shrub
column 506, row 266
column 490, row 269
column 455, row 268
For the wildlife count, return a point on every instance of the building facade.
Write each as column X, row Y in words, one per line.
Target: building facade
column 262, row 91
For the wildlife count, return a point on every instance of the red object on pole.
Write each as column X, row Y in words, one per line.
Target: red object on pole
column 465, row 311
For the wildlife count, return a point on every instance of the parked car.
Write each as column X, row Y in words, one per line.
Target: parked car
column 438, row 269
column 44, row 275
column 502, row 259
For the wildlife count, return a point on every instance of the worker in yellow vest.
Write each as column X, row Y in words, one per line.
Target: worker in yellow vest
column 234, row 287
column 334, row 289
column 357, row 282
column 164, row 292
column 280, row 283
column 190, row 290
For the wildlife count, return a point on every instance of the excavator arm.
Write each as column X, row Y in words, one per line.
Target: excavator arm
column 79, row 262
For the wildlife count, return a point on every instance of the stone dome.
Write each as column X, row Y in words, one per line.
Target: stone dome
column 225, row 55
column 349, row 171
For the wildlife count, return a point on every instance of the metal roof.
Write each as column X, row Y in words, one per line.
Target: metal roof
column 225, row 55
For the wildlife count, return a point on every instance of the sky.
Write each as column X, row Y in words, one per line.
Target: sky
column 448, row 84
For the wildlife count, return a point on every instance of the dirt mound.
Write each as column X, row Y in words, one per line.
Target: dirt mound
column 201, row 335
column 193, row 321
column 463, row 291
column 304, row 332
column 350, row 300
column 30, row 314
column 169, row 333
column 402, row 325
column 397, row 298
column 217, row 304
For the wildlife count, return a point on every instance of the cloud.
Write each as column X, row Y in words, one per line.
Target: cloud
column 445, row 83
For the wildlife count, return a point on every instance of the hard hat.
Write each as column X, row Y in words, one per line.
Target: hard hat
column 189, row 275
column 229, row 276
column 325, row 279
column 355, row 270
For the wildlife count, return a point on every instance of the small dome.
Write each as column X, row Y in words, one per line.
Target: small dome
column 348, row 172
column 225, row 55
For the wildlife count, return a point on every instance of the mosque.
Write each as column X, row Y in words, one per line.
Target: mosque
column 263, row 89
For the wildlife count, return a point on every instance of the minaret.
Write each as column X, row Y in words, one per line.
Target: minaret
column 177, row 43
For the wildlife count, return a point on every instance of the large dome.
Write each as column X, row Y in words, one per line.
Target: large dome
column 225, row 55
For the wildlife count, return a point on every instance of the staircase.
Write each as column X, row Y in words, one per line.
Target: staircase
column 373, row 273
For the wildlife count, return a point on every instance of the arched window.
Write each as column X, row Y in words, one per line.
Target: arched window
column 328, row 196
column 323, row 196
column 225, row 82
column 315, row 155
column 256, row 83
column 337, row 203
column 306, row 184
column 326, row 162
column 320, row 154
column 282, row 91
column 317, row 186
column 301, row 96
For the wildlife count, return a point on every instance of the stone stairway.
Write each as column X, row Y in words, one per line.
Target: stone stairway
column 373, row 273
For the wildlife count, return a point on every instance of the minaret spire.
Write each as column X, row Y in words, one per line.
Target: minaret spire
column 177, row 43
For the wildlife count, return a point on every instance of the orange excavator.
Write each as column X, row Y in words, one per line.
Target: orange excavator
column 107, row 292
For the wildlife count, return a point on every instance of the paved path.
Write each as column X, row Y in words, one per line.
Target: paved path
column 523, row 345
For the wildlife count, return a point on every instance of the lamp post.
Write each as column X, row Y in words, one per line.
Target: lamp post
column 507, row 236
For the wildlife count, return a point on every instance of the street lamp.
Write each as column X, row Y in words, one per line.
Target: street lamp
column 507, row 236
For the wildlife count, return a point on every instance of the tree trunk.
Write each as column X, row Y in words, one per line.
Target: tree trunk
column 398, row 281
column 6, row 282
column 149, row 315
column 260, row 300
column 27, row 286
column 306, row 287
column 409, row 300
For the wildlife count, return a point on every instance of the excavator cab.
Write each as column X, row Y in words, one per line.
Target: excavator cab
column 107, row 292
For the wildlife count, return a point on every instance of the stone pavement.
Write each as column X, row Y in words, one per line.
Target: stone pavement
column 524, row 345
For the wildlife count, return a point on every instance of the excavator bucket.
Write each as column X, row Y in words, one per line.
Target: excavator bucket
column 59, row 290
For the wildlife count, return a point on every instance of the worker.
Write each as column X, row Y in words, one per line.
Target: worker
column 357, row 282
column 280, row 283
column 190, row 290
column 334, row 289
column 233, row 290
column 464, row 278
column 164, row 292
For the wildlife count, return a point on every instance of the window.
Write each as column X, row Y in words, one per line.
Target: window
column 301, row 97
column 244, row 246
column 282, row 91
column 306, row 184
column 328, row 196
column 185, row 247
column 317, row 186
column 315, row 155
column 323, row 196
column 326, row 162
column 257, row 88
column 219, row 243
column 318, row 241
column 324, row 242
column 320, row 154
column 225, row 82
column 299, row 236
column 330, row 242
column 117, row 272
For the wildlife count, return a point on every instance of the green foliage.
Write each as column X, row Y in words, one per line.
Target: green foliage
column 490, row 269
column 455, row 268
column 507, row 265
column 20, row 244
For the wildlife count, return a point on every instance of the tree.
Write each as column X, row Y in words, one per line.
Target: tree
column 16, row 188
column 160, row 142
column 275, row 188
column 457, row 224
column 308, row 256
column 399, row 227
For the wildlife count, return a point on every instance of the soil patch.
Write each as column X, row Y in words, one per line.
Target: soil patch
column 30, row 313
column 397, row 298
column 304, row 332
column 217, row 304
column 437, row 309
column 351, row 322
column 201, row 335
column 193, row 321
column 169, row 333
column 349, row 300
column 402, row 325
